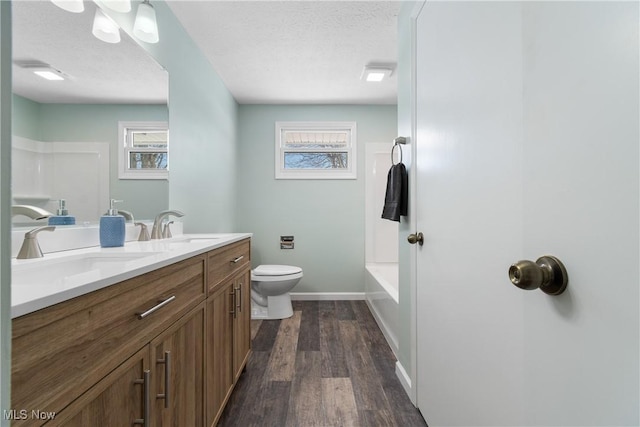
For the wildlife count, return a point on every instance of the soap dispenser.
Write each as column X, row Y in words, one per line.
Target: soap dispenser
column 62, row 216
column 112, row 227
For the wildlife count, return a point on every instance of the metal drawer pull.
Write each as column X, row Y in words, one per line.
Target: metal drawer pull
column 155, row 307
column 145, row 381
column 235, row 261
column 167, row 378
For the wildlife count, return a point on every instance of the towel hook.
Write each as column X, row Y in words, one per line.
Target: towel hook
column 396, row 143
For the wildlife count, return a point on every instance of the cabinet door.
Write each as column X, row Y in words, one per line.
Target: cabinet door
column 177, row 360
column 242, row 322
column 117, row 400
column 219, row 350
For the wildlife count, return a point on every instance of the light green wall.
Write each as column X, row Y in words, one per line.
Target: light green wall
column 203, row 123
column 25, row 118
column 5, row 203
column 96, row 123
column 325, row 216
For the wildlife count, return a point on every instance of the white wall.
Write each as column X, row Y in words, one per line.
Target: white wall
column 381, row 235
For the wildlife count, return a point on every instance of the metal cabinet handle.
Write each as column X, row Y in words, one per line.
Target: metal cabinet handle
column 233, row 303
column 155, row 307
column 235, row 261
column 239, row 304
column 416, row 238
column 145, row 381
column 547, row 273
column 167, row 378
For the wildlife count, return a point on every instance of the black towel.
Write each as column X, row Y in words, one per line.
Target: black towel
column 396, row 199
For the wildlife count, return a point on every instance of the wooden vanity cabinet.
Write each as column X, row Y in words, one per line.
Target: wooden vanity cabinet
column 219, row 350
column 94, row 362
column 228, row 324
column 124, row 389
column 177, row 373
column 242, row 323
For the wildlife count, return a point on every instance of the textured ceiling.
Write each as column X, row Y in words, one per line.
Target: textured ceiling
column 100, row 72
column 296, row 51
column 292, row 51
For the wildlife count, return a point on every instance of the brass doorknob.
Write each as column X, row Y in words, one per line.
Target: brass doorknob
column 416, row 238
column 547, row 273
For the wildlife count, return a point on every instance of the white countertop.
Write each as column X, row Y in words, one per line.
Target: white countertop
column 42, row 282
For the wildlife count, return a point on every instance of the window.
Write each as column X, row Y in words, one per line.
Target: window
column 143, row 150
column 315, row 150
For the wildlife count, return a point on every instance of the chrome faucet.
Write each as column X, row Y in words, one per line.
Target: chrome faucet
column 32, row 212
column 30, row 247
column 156, row 231
column 128, row 216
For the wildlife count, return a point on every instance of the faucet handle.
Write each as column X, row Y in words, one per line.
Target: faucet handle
column 166, row 231
column 31, row 234
column 30, row 247
column 144, row 233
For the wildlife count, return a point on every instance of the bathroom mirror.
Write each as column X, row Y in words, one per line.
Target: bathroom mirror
column 104, row 83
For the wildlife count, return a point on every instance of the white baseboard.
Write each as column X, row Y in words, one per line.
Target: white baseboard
column 388, row 335
column 326, row 296
column 405, row 381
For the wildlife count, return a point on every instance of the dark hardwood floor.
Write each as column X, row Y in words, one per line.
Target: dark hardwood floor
column 328, row 365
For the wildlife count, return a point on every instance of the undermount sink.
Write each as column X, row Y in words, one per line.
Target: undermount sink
column 55, row 269
column 181, row 241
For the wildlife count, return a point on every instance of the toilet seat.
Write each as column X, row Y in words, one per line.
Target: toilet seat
column 275, row 270
column 275, row 273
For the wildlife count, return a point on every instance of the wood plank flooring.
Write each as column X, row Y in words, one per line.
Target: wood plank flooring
column 328, row 365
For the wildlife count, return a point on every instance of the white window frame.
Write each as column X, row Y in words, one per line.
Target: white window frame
column 124, row 172
column 349, row 173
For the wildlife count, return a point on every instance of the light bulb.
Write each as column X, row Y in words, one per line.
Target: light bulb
column 145, row 27
column 104, row 28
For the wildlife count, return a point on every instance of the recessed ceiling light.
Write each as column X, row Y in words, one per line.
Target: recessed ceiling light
column 49, row 74
column 374, row 73
column 41, row 69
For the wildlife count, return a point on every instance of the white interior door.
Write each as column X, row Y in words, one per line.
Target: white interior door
column 527, row 145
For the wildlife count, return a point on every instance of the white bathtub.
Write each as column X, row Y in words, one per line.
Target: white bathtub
column 381, row 281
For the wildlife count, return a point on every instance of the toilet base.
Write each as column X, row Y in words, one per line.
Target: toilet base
column 278, row 307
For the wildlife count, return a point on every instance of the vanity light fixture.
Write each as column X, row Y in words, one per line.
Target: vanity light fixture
column 145, row 26
column 104, row 28
column 122, row 6
column 376, row 73
column 75, row 6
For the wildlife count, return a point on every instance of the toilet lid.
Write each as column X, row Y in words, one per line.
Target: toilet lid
column 275, row 270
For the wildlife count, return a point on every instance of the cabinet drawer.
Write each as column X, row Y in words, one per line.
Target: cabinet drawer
column 226, row 261
column 61, row 351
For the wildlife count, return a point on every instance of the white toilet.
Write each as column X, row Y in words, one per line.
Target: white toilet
column 270, row 286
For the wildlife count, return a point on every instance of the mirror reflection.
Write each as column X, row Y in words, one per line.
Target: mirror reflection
column 66, row 133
